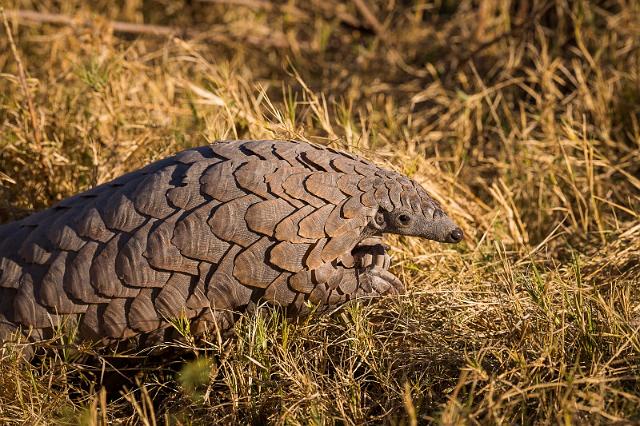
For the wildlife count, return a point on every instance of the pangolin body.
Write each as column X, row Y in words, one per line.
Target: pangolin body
column 205, row 234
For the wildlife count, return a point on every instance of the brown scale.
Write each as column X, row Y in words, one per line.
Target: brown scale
column 227, row 293
column 198, row 292
column 313, row 226
column 353, row 208
column 217, row 181
column 348, row 184
column 395, row 192
column 364, row 169
column 119, row 214
column 323, row 185
column 335, row 298
column 251, row 177
column 230, row 151
column 324, row 273
column 348, row 286
column 251, row 267
column 342, row 244
column 105, row 275
column 303, row 282
column 91, row 226
column 407, row 201
column 319, row 158
column 10, row 274
column 369, row 183
column 345, row 165
column 368, row 199
column 33, row 250
column 78, row 272
column 337, row 225
column 187, row 195
column 289, row 152
column 90, row 322
column 12, row 236
column 212, row 321
column 263, row 217
column 201, row 155
column 228, row 222
column 275, row 181
column 126, row 256
column 279, row 292
column 413, row 197
column 32, row 222
column 264, row 149
column 289, row 256
column 381, row 195
column 298, row 306
column 142, row 315
column 314, row 256
column 224, row 291
column 114, row 320
column 145, row 198
column 294, row 186
column 61, row 234
column 319, row 294
column 52, row 294
column 26, row 309
column 347, row 260
column 194, row 238
column 288, row 228
column 198, row 300
column 171, row 301
column 161, row 253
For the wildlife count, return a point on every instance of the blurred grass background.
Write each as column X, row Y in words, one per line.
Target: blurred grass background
column 521, row 117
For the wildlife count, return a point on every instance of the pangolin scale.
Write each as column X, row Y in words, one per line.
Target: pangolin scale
column 206, row 234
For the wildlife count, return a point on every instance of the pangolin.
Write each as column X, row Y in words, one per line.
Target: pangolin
column 206, row 234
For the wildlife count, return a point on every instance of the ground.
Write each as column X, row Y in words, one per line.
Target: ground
column 521, row 117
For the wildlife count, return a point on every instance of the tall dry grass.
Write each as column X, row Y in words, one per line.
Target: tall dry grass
column 523, row 118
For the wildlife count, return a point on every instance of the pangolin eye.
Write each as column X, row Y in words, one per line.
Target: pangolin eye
column 404, row 219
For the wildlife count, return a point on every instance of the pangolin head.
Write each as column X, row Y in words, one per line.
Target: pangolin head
column 414, row 214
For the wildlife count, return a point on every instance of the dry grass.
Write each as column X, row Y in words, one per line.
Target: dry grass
column 523, row 118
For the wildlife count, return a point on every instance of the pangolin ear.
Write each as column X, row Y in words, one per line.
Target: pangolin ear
column 379, row 220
